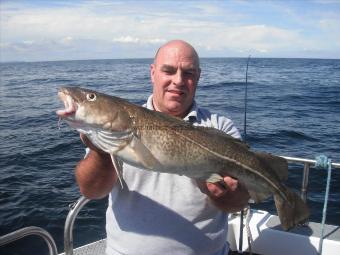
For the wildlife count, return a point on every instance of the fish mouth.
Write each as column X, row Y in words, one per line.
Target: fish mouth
column 69, row 104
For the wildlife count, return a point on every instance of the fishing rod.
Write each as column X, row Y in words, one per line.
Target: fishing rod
column 245, row 140
column 246, row 104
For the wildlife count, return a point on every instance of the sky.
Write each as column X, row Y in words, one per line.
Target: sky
column 38, row 30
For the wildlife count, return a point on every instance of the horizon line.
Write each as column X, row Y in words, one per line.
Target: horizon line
column 150, row 58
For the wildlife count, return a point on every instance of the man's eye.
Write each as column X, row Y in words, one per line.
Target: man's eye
column 168, row 71
column 189, row 73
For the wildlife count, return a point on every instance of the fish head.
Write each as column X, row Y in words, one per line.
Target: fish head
column 88, row 109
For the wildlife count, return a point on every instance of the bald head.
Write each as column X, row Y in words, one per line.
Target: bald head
column 181, row 47
column 174, row 75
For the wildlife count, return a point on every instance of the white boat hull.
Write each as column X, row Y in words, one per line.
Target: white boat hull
column 269, row 238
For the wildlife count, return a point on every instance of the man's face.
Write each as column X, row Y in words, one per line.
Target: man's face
column 175, row 75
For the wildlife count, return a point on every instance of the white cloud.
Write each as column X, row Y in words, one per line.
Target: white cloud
column 136, row 40
column 66, row 40
column 330, row 24
column 156, row 41
column 126, row 39
column 28, row 42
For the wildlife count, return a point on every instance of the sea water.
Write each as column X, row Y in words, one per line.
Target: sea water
column 293, row 109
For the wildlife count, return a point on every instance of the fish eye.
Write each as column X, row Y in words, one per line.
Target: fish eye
column 91, row 97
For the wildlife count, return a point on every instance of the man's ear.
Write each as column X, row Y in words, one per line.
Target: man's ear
column 199, row 74
column 152, row 73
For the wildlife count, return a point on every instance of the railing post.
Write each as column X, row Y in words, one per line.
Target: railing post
column 23, row 232
column 68, row 231
column 305, row 178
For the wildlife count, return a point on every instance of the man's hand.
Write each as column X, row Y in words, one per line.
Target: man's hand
column 229, row 196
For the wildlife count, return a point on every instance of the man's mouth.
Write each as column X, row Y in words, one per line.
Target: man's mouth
column 176, row 92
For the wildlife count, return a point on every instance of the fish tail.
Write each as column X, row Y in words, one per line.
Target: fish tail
column 291, row 211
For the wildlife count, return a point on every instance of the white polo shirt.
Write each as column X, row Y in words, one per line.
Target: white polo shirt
column 160, row 213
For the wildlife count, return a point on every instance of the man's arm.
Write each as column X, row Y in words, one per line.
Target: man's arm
column 95, row 174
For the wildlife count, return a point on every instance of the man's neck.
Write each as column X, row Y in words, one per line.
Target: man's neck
column 180, row 115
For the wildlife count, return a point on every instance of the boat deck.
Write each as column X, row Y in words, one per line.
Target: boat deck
column 95, row 248
column 268, row 238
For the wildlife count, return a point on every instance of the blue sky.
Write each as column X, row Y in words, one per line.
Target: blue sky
column 66, row 30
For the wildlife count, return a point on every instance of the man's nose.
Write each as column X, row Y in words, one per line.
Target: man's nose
column 178, row 78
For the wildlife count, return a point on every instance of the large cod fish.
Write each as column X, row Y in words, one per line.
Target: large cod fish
column 162, row 143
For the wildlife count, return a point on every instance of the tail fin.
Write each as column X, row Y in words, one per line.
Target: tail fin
column 292, row 211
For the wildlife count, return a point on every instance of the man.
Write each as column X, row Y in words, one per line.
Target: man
column 160, row 213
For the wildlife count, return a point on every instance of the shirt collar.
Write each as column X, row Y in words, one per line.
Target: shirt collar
column 192, row 116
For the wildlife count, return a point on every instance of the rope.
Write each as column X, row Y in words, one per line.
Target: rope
column 322, row 162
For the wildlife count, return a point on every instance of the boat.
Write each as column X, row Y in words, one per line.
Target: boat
column 260, row 229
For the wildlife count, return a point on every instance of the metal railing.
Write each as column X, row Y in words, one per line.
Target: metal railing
column 23, row 232
column 305, row 178
column 82, row 201
column 68, row 231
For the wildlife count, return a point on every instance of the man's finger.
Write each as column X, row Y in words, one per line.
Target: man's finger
column 219, row 189
column 216, row 189
column 230, row 183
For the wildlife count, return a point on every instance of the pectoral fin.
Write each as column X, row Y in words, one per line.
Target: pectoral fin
column 135, row 153
column 109, row 142
column 126, row 146
column 118, row 168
